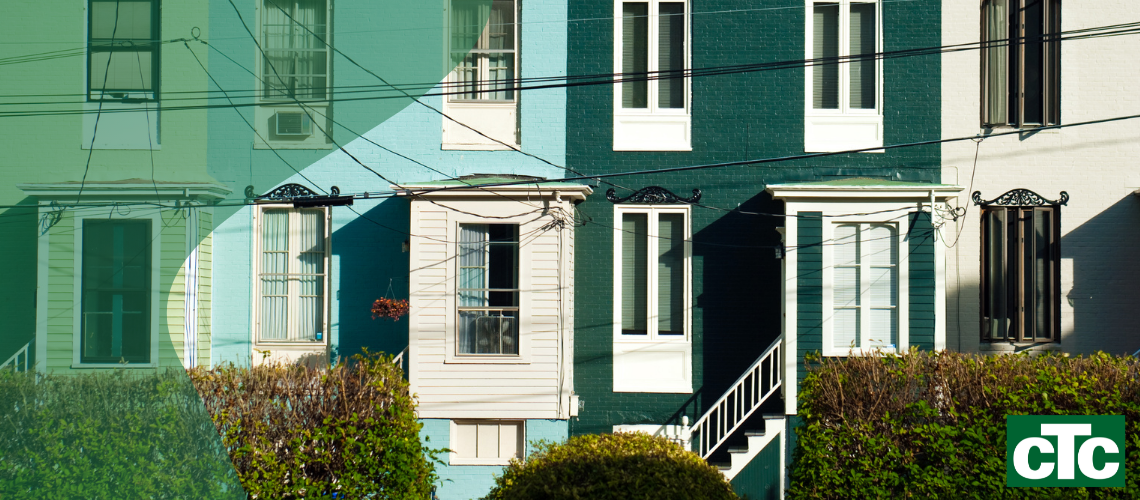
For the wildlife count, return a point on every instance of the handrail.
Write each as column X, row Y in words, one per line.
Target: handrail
column 759, row 382
column 399, row 359
column 15, row 359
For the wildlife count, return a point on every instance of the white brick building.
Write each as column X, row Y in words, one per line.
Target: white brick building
column 1096, row 164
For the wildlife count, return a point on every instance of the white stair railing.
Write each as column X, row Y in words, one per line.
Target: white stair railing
column 18, row 361
column 755, row 386
column 399, row 360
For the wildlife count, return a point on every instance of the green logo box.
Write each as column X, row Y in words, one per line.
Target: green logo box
column 1064, row 451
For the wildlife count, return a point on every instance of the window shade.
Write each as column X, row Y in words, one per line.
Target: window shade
column 996, row 33
column 862, row 38
column 846, row 286
column 882, row 284
column 635, row 54
column 670, row 274
column 671, row 55
column 825, row 44
column 634, row 274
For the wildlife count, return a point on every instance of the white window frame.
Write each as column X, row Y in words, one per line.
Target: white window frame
column 651, row 350
column 652, row 128
column 828, row 130
column 459, row 309
column 156, row 233
column 270, row 345
column 489, row 116
column 455, row 459
column 903, row 306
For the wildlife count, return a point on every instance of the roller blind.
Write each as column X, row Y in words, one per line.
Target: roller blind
column 846, row 272
column 825, row 44
column 862, row 39
column 670, row 274
column 634, row 274
column 997, row 61
column 882, row 284
column 671, row 54
column 635, row 54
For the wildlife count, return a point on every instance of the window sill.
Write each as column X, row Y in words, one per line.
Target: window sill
column 1014, row 347
column 840, row 353
column 104, row 366
column 832, row 132
column 478, row 147
column 479, row 461
column 490, row 360
column 652, row 132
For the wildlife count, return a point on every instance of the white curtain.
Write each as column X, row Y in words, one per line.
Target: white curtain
column 997, row 61
column 473, row 247
column 296, row 61
column 310, row 279
column 274, row 279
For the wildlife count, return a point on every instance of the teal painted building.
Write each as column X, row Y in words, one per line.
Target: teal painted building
column 312, row 96
column 718, row 284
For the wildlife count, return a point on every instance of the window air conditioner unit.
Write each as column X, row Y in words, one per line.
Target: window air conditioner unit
column 293, row 123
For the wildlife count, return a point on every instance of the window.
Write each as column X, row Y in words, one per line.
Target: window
column 1021, row 274
column 865, row 287
column 652, row 345
column 486, row 442
column 651, row 54
column 116, row 285
column 844, row 81
column 483, row 50
column 122, row 55
column 296, row 62
column 1021, row 63
column 488, row 290
column 292, row 275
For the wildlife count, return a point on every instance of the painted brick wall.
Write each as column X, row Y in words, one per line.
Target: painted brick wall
column 736, row 277
column 1095, row 164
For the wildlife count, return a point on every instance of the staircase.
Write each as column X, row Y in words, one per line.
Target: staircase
column 729, row 414
column 21, row 361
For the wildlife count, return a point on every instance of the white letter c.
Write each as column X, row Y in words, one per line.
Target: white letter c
column 1021, row 458
column 1085, row 458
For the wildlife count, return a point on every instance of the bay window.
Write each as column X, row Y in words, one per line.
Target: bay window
column 651, row 55
column 123, row 49
column 843, row 88
column 292, row 276
column 488, row 290
column 1021, row 63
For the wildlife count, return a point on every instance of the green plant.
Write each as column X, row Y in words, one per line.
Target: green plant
column 932, row 424
column 611, row 466
column 298, row 432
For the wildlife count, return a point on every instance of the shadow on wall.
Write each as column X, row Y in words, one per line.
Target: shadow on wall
column 1106, row 280
column 18, row 233
column 370, row 257
column 737, row 288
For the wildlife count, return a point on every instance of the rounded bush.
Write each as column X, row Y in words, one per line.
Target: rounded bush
column 611, row 466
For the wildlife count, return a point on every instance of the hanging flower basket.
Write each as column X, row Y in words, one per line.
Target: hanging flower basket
column 389, row 308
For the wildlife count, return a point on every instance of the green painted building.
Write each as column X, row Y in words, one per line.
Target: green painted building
column 703, row 288
column 107, row 204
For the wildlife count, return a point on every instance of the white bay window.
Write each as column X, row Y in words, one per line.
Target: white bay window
column 844, row 85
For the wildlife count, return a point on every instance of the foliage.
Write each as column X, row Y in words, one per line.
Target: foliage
column 611, row 466
column 108, row 435
column 932, row 425
column 300, row 432
column 389, row 308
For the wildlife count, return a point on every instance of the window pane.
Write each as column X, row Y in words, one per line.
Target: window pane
column 473, row 250
column 996, row 31
column 503, row 266
column 116, row 292
column 1034, row 62
column 884, row 328
column 863, row 37
column 671, row 274
column 296, row 57
column 634, row 274
column 501, row 73
column 635, row 54
column 1043, row 274
column 487, row 332
column 671, row 55
column 881, row 245
column 846, row 245
column 845, row 330
column 134, row 20
column 846, row 286
column 121, row 70
column 825, row 44
column 995, row 278
column 500, row 26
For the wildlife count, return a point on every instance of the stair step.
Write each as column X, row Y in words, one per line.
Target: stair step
column 753, row 433
column 738, row 449
column 721, row 465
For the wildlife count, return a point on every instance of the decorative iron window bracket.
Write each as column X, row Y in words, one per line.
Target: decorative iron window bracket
column 300, row 196
column 653, row 195
column 1020, row 198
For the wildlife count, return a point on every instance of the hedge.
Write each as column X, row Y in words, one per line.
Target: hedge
column 932, row 424
column 109, row 435
column 621, row 466
column 297, row 432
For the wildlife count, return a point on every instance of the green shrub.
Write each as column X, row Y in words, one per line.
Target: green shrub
column 109, row 435
column 611, row 466
column 300, row 432
column 932, row 425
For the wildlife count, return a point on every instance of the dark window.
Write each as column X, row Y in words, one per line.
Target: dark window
column 488, row 289
column 1021, row 63
column 1020, row 274
column 122, row 55
column 116, row 292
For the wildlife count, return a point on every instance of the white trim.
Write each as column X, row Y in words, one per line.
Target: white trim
column 123, row 191
column 156, row 231
column 190, row 306
column 790, row 318
column 652, row 355
column 289, row 350
column 652, row 128
column 827, row 130
column 43, row 241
